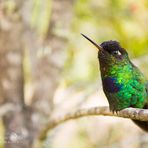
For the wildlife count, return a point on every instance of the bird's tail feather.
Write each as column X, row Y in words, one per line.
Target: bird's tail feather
column 142, row 124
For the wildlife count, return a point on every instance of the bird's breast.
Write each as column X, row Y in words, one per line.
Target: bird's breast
column 110, row 85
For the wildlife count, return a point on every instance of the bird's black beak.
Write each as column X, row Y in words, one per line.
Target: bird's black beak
column 95, row 44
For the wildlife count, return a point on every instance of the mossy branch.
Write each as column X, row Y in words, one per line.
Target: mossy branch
column 132, row 113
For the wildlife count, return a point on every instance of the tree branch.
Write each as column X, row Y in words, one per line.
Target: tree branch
column 132, row 113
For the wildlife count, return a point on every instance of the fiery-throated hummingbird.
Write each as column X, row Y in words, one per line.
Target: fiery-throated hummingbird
column 123, row 83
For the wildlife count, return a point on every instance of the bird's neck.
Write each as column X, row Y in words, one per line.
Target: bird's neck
column 115, row 70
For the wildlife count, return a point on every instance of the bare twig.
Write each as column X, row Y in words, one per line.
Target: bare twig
column 132, row 113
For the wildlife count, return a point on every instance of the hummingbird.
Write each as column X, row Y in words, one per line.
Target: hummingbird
column 123, row 83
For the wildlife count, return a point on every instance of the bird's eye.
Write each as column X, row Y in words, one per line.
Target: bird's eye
column 116, row 53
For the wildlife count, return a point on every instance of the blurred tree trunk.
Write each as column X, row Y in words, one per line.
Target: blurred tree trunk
column 17, row 132
column 47, row 68
column 21, row 127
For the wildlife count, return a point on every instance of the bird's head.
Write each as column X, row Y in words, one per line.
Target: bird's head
column 110, row 52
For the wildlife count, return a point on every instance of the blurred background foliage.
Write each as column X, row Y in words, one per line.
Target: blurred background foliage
column 124, row 21
column 79, row 81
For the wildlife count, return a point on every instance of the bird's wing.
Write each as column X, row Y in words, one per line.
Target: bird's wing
column 146, row 87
